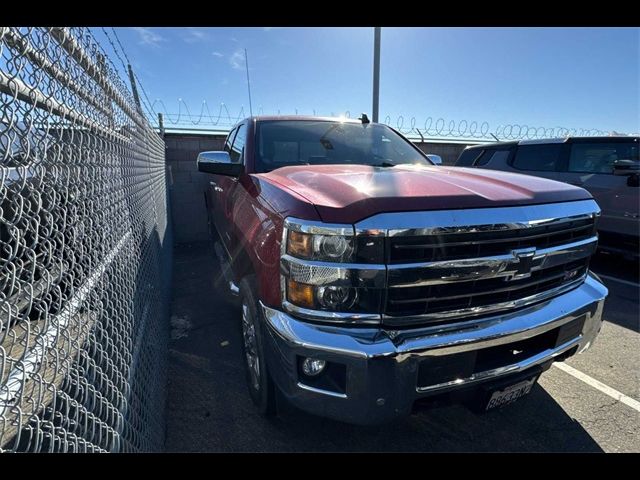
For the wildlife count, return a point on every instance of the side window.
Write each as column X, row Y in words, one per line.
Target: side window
column 600, row 157
column 229, row 141
column 484, row 158
column 237, row 148
column 538, row 158
column 468, row 157
column 492, row 155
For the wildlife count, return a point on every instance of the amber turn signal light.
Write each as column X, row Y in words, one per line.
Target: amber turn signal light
column 299, row 244
column 300, row 294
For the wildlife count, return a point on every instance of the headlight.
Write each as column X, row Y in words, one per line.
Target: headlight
column 330, row 272
column 328, row 248
column 332, row 298
column 336, row 298
column 331, row 243
column 332, row 302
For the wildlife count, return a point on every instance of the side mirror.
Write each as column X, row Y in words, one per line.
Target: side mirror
column 219, row 163
column 436, row 159
column 630, row 169
column 626, row 167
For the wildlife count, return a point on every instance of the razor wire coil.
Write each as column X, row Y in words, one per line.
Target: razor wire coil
column 223, row 118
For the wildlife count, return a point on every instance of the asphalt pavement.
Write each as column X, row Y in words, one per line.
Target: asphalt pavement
column 591, row 406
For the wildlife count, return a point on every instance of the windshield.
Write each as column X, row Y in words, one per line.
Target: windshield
column 304, row 142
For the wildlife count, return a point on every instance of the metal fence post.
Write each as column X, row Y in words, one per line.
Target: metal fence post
column 134, row 89
column 376, row 73
column 161, row 124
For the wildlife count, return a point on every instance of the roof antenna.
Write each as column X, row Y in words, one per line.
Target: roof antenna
column 364, row 119
column 246, row 63
column 497, row 140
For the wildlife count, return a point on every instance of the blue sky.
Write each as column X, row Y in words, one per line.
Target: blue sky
column 571, row 77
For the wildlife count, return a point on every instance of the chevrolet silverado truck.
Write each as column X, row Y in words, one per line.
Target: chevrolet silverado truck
column 372, row 282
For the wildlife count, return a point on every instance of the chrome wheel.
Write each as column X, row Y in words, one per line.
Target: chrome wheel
column 250, row 345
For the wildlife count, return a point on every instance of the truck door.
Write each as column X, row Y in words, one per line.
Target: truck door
column 595, row 166
column 214, row 188
column 226, row 191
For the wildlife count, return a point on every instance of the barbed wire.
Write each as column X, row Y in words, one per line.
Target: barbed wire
column 431, row 127
column 115, row 50
column 146, row 104
column 115, row 34
column 145, row 100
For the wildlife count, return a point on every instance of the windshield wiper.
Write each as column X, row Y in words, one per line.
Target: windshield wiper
column 386, row 163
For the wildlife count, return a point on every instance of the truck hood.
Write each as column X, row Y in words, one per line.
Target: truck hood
column 350, row 193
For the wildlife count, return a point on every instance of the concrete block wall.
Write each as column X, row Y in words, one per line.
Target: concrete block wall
column 187, row 185
column 448, row 151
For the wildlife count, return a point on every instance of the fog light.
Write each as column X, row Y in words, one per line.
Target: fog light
column 313, row 366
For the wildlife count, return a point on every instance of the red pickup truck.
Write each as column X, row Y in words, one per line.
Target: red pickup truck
column 373, row 281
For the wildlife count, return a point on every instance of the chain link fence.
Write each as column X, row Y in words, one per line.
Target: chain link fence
column 85, row 251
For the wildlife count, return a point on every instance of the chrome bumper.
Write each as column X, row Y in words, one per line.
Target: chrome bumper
column 382, row 365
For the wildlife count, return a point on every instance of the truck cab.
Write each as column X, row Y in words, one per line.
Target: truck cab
column 372, row 281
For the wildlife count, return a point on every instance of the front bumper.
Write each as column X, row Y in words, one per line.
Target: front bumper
column 385, row 369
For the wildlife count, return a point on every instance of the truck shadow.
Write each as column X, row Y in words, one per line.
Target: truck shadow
column 621, row 306
column 209, row 409
column 535, row 424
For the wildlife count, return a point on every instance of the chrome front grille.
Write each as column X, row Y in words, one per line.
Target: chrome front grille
column 478, row 244
column 446, row 267
column 448, row 301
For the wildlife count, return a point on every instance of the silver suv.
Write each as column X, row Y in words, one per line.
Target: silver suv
column 608, row 167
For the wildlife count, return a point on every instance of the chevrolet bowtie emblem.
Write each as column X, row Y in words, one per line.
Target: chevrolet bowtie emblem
column 524, row 257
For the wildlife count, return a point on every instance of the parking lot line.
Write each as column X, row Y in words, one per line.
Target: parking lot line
column 607, row 390
column 614, row 279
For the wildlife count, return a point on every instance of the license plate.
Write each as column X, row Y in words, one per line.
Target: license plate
column 511, row 393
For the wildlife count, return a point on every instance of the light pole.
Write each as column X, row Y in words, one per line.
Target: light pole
column 376, row 72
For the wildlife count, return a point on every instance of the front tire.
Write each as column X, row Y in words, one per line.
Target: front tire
column 259, row 382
